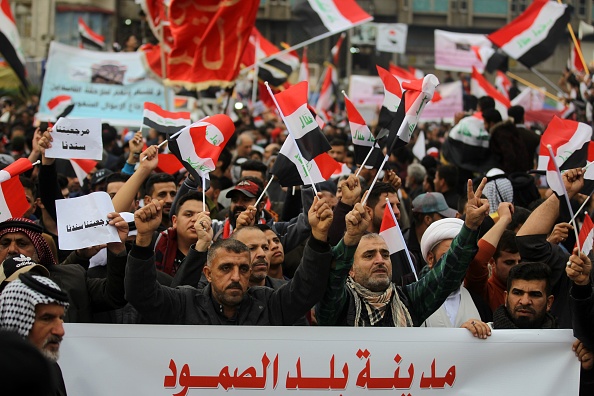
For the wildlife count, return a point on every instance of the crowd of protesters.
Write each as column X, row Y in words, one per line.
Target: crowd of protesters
column 492, row 248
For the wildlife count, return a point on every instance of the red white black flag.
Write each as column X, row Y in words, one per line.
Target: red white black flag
column 10, row 42
column 19, row 166
column 328, row 17
column 89, row 38
column 199, row 145
column 300, row 122
column 479, row 86
column 164, row 121
column 361, row 136
column 13, row 201
column 532, row 37
column 392, row 98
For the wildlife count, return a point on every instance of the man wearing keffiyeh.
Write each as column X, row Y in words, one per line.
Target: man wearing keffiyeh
column 34, row 307
column 360, row 291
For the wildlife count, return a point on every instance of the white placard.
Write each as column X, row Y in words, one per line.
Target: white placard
column 76, row 138
column 83, row 222
column 391, row 37
column 247, row 360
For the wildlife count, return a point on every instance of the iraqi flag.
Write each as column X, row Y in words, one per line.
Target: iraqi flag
column 301, row 124
column 416, row 95
column 82, row 167
column 586, row 235
column 392, row 98
column 479, row 87
column 19, row 166
column 361, row 136
column 335, row 51
column 10, row 42
column 324, row 18
column 304, row 67
column 532, row 37
column 569, row 141
column 391, row 233
column 199, row 145
column 168, row 163
column 60, row 106
column 401, row 73
column 89, row 38
column 164, row 121
column 292, row 169
column 574, row 62
column 13, row 201
column 327, row 91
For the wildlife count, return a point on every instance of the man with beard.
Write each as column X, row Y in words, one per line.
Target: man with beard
column 34, row 307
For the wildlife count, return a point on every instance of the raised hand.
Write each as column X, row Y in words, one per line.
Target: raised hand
column 357, row 222
column 320, row 218
column 476, row 208
column 392, row 178
column 149, row 158
column 44, row 143
column 147, row 220
column 351, row 190
column 578, row 268
column 122, row 227
column 246, row 218
column 505, row 212
column 574, row 181
column 560, row 233
column 203, row 227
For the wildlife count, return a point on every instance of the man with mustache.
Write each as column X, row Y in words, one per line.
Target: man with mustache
column 34, row 307
column 161, row 186
column 228, row 298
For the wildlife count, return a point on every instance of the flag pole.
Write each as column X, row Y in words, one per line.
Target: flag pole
column 375, row 178
column 264, row 191
column 203, row 192
column 575, row 43
column 412, row 267
column 256, row 70
column 580, row 209
column 545, row 79
column 39, row 162
column 558, row 172
column 280, row 111
column 530, row 85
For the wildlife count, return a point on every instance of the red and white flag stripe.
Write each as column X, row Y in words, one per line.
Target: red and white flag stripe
column 164, row 121
column 13, row 201
column 533, row 36
column 335, row 15
column 586, row 235
column 479, row 86
column 58, row 104
column 326, row 98
column 391, row 233
column 19, row 166
column 89, row 37
column 304, row 67
column 502, row 84
column 82, row 167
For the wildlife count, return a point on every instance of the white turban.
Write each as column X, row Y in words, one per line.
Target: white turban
column 438, row 231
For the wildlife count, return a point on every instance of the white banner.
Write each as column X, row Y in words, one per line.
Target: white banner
column 453, row 51
column 391, row 37
column 112, row 86
column 228, row 360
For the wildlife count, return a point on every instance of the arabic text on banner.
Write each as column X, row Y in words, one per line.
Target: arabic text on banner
column 76, row 138
column 246, row 360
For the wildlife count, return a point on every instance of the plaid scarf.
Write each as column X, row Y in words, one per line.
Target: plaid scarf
column 376, row 303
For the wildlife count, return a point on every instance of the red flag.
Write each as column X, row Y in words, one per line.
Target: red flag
column 13, row 201
column 304, row 67
column 361, row 136
column 19, row 166
column 575, row 62
column 329, row 85
column 479, row 86
column 199, row 145
column 532, row 37
column 214, row 59
column 502, row 84
column 586, row 235
column 82, row 167
column 168, row 163
column 401, row 73
column 164, row 121
column 300, row 122
column 327, row 18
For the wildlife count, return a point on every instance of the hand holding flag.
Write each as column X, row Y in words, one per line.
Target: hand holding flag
column 357, row 223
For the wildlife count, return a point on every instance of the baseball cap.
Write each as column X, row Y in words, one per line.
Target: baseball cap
column 432, row 203
column 100, row 176
column 247, row 187
column 12, row 267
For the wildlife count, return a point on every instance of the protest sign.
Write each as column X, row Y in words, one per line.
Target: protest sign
column 248, row 360
column 76, row 138
column 458, row 51
column 391, row 37
column 83, row 222
column 112, row 86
